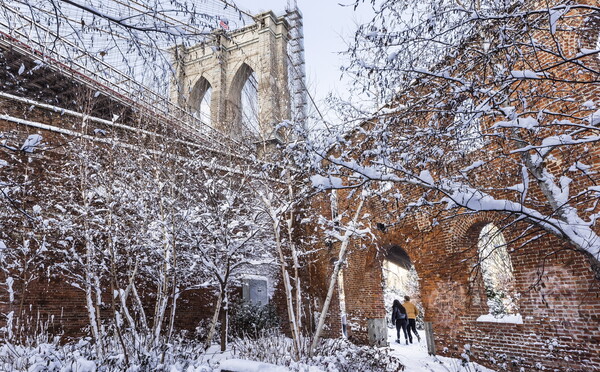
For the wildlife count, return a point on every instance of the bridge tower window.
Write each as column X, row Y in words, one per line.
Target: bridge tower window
column 200, row 101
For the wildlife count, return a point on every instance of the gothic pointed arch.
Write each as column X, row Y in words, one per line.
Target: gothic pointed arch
column 200, row 101
column 244, row 101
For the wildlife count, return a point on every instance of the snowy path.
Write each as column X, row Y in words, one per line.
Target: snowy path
column 415, row 358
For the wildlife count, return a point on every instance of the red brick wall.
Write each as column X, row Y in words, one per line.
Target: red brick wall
column 559, row 296
column 42, row 294
column 559, row 290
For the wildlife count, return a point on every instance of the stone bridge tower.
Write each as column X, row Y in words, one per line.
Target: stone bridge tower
column 212, row 76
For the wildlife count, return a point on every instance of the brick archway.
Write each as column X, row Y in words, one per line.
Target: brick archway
column 364, row 284
column 441, row 257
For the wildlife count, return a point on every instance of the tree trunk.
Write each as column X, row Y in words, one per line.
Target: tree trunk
column 285, row 276
column 334, row 277
column 213, row 323
column 224, row 324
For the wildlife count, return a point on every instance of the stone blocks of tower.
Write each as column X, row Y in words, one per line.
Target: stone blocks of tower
column 224, row 62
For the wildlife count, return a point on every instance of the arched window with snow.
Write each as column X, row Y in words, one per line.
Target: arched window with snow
column 497, row 272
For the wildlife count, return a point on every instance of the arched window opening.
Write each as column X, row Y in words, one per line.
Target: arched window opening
column 497, row 272
column 244, row 104
column 205, row 112
column 200, row 101
column 249, row 103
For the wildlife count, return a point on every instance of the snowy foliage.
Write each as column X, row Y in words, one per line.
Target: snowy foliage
column 81, row 356
column 333, row 355
column 252, row 321
column 133, row 229
column 464, row 116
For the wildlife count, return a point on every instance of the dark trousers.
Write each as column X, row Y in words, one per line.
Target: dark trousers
column 412, row 325
column 401, row 323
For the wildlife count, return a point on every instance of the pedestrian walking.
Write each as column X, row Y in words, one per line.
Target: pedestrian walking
column 400, row 320
column 411, row 313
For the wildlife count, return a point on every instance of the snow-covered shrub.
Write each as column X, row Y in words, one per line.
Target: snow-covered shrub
column 81, row 356
column 271, row 348
column 252, row 320
column 343, row 356
column 332, row 355
column 30, row 329
column 201, row 331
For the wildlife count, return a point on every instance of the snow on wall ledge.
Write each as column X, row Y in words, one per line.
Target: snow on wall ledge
column 511, row 318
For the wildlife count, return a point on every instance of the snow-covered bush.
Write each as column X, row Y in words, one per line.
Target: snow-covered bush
column 332, row 355
column 343, row 356
column 271, row 348
column 81, row 356
column 202, row 328
column 252, row 320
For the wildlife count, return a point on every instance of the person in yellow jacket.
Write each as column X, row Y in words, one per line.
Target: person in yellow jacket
column 411, row 313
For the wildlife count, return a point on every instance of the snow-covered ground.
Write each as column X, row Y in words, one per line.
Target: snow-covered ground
column 416, row 359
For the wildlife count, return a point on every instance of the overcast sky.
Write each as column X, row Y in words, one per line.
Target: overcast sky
column 327, row 26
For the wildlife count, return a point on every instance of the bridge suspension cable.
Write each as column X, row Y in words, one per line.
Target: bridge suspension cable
column 110, row 44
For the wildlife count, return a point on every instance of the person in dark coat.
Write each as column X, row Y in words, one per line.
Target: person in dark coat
column 400, row 320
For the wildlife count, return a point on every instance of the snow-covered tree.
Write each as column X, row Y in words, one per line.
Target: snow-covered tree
column 489, row 106
column 343, row 233
column 229, row 233
column 281, row 206
column 24, row 250
column 283, row 191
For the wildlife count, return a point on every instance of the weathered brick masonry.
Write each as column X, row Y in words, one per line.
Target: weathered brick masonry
column 558, row 287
